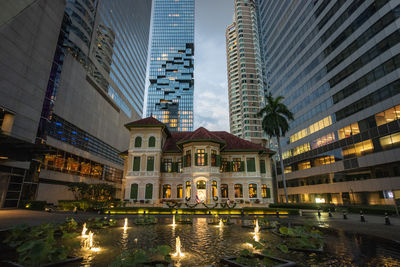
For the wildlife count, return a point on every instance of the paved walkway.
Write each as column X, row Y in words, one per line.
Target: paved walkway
column 374, row 225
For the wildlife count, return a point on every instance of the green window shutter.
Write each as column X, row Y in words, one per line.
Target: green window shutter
column 134, row 191
column 268, row 192
column 149, row 191
column 251, row 165
column 205, row 159
column 150, row 164
column 174, row 166
column 162, row 169
column 218, row 160
column 152, row 141
column 230, row 166
column 184, row 161
column 136, row 164
column 262, row 166
column 242, row 166
column 195, row 159
column 138, row 141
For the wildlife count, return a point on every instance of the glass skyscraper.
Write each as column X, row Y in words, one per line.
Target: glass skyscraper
column 170, row 94
column 337, row 65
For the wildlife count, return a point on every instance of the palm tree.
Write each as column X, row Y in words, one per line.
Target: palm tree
column 275, row 123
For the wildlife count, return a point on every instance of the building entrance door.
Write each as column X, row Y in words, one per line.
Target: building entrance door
column 201, row 194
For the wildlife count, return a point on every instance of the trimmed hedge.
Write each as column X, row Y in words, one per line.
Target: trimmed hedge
column 246, row 210
column 86, row 205
column 372, row 209
column 33, row 204
column 303, row 206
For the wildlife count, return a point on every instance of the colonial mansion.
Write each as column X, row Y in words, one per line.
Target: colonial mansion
column 193, row 167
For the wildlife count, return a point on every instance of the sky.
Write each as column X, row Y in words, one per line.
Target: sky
column 211, row 108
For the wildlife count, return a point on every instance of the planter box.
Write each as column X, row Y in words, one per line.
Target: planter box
column 61, row 263
column 231, row 261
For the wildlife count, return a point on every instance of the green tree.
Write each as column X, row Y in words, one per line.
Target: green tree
column 275, row 123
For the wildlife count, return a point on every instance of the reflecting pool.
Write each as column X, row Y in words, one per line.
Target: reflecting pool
column 204, row 244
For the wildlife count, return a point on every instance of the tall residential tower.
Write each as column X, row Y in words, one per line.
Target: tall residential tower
column 170, row 94
column 337, row 63
column 246, row 95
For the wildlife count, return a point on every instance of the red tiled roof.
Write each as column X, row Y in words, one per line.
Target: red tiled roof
column 229, row 142
column 232, row 142
column 149, row 121
column 201, row 134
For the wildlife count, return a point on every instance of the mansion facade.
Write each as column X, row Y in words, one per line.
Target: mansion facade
column 191, row 167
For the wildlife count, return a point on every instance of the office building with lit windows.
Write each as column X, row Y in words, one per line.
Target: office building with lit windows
column 194, row 167
column 245, row 86
column 337, row 65
column 90, row 88
column 170, row 93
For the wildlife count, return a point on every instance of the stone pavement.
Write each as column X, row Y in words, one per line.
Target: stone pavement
column 374, row 225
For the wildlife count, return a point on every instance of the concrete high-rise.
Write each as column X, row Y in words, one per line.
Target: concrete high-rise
column 170, row 94
column 246, row 95
column 93, row 86
column 337, row 65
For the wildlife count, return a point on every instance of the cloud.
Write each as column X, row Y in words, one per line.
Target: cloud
column 211, row 108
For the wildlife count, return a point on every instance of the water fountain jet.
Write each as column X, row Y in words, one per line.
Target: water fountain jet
column 84, row 230
column 178, row 252
column 126, row 224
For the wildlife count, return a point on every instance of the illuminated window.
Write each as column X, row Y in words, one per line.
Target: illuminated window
column 179, row 191
column 304, row 165
column 213, row 158
column 324, row 160
column 201, row 157
column 252, row 190
column 214, row 188
column 224, row 191
column 349, row 130
column 167, row 165
column 237, row 164
column 188, row 190
column 358, row 149
column 288, row 169
column 388, row 115
column 322, row 141
column 167, row 191
column 238, row 191
column 265, row 191
column 390, row 141
column 319, row 125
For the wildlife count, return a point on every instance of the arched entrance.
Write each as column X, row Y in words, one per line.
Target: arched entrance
column 201, row 191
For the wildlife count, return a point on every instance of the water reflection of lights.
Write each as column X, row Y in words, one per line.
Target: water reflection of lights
column 126, row 224
column 256, row 232
column 173, row 221
column 221, row 223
